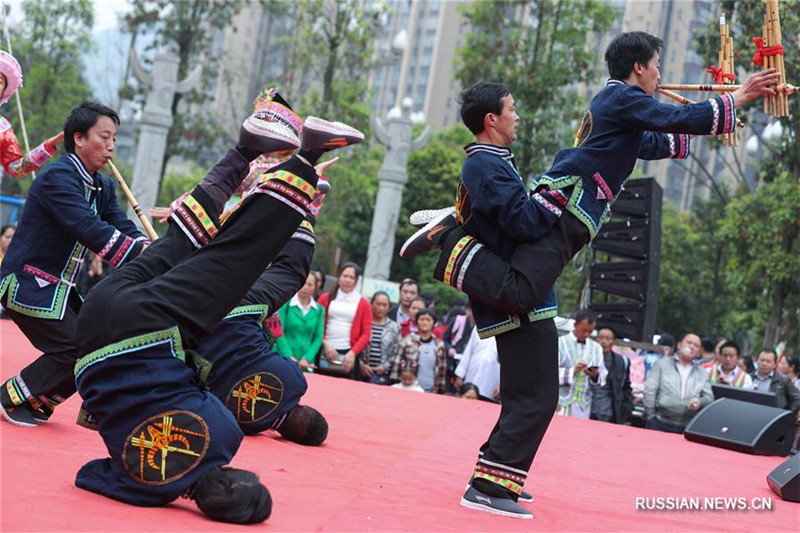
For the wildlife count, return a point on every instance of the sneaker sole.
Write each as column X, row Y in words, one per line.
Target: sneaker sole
column 480, row 507
column 420, row 218
column 16, row 422
column 254, row 128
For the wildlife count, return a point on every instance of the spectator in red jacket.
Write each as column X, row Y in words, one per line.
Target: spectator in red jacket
column 348, row 323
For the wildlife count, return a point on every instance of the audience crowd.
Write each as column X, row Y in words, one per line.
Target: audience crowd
column 408, row 346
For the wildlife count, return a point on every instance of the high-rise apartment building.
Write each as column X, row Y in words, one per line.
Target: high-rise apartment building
column 435, row 30
column 679, row 23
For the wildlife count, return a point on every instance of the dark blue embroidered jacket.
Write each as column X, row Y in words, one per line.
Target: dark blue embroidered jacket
column 623, row 124
column 162, row 431
column 495, row 208
column 67, row 211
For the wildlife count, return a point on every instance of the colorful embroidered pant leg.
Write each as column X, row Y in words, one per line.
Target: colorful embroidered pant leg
column 47, row 380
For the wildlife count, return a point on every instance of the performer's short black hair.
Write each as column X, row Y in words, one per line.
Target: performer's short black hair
column 304, row 425
column 731, row 344
column 480, row 99
column 82, row 118
column 629, row 48
column 585, row 314
column 232, row 495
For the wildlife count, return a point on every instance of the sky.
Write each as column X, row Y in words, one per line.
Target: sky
column 105, row 12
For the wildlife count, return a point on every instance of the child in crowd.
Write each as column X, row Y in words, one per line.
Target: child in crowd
column 408, row 378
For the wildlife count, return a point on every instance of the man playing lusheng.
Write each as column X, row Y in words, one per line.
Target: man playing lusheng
column 70, row 209
column 510, row 274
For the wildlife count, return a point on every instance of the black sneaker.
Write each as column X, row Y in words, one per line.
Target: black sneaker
column 42, row 415
column 320, row 135
column 20, row 415
column 475, row 499
column 420, row 218
column 266, row 137
column 430, row 236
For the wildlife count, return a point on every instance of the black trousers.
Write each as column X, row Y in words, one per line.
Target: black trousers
column 51, row 375
column 516, row 286
column 171, row 285
column 528, row 359
column 48, row 379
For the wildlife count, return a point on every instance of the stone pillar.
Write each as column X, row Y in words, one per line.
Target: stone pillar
column 155, row 123
column 392, row 178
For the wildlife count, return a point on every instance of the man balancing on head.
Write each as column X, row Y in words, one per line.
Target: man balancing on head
column 506, row 243
column 166, row 436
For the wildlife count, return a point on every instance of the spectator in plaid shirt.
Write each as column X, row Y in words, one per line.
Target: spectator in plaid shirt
column 426, row 352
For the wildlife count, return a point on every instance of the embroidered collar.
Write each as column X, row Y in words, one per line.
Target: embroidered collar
column 612, row 81
column 499, row 151
column 295, row 301
column 87, row 178
column 473, row 148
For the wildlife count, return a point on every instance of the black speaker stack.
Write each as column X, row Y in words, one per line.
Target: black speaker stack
column 624, row 275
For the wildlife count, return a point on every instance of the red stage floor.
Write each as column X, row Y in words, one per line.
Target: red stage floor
column 398, row 460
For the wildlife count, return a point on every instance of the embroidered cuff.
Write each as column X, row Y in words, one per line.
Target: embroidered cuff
column 288, row 188
column 193, row 219
column 679, row 145
column 305, row 233
column 724, row 114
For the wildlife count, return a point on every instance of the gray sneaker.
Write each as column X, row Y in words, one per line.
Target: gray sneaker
column 266, row 137
column 474, row 499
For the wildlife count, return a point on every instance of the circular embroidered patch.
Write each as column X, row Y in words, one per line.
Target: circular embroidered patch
column 584, row 131
column 165, row 447
column 255, row 397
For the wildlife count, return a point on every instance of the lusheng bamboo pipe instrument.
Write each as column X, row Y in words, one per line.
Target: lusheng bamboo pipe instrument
column 686, row 101
column 148, row 227
column 787, row 88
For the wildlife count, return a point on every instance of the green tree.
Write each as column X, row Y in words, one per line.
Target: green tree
column 539, row 49
column 192, row 28
column 773, row 315
column 48, row 46
column 329, row 55
column 765, row 264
